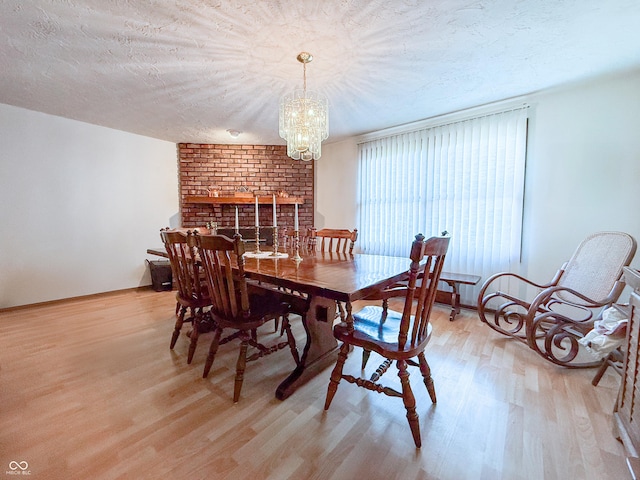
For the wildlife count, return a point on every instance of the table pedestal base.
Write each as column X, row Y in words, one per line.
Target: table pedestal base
column 321, row 349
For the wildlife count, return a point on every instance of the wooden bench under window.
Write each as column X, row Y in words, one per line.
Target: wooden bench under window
column 454, row 280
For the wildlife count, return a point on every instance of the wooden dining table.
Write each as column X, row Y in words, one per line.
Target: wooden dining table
column 323, row 278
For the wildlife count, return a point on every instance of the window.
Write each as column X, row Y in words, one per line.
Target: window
column 466, row 178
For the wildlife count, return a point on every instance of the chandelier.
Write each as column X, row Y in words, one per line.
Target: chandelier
column 304, row 119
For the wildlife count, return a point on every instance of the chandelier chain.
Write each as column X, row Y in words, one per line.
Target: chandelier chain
column 304, row 78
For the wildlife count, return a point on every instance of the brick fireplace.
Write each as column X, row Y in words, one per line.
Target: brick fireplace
column 262, row 170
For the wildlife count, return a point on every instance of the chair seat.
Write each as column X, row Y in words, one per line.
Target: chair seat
column 370, row 332
column 196, row 301
column 266, row 303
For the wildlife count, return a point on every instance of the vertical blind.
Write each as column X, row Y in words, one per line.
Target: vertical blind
column 466, row 178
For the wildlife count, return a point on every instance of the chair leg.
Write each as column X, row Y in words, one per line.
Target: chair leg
column 213, row 349
column 180, row 312
column 194, row 340
column 425, row 370
column 240, row 368
column 336, row 375
column 291, row 340
column 409, row 402
column 365, row 357
column 600, row 372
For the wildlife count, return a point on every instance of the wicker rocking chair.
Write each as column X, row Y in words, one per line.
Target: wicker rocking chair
column 564, row 309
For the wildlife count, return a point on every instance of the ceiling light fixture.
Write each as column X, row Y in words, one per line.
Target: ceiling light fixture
column 304, row 119
column 233, row 133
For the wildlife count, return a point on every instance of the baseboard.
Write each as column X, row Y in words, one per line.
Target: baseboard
column 69, row 299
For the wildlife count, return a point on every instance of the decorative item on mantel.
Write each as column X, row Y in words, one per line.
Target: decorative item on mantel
column 243, row 192
column 212, row 192
column 282, row 194
column 213, row 227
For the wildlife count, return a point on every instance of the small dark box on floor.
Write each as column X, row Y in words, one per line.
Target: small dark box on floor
column 161, row 279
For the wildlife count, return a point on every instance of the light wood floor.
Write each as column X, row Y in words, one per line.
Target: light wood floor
column 90, row 390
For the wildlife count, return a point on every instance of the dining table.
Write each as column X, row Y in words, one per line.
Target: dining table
column 324, row 278
column 320, row 279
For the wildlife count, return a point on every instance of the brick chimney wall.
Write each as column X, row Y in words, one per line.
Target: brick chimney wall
column 261, row 169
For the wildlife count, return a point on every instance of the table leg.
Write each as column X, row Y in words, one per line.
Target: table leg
column 321, row 349
column 454, row 298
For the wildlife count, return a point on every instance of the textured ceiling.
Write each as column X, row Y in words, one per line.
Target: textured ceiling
column 188, row 70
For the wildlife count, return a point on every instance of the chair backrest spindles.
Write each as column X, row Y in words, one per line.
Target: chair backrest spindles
column 229, row 288
column 181, row 252
column 334, row 239
column 304, row 237
column 427, row 260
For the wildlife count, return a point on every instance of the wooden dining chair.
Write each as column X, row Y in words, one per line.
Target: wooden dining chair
column 239, row 305
column 288, row 237
column 306, row 237
column 399, row 337
column 336, row 240
column 200, row 230
column 192, row 294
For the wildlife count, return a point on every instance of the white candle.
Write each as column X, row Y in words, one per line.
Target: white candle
column 275, row 222
column 295, row 220
column 237, row 225
column 257, row 217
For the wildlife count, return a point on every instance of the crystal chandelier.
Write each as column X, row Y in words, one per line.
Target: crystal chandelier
column 304, row 119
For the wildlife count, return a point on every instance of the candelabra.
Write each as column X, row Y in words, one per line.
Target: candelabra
column 275, row 241
column 296, row 244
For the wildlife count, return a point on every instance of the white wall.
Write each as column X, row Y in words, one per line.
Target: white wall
column 336, row 186
column 583, row 171
column 79, row 206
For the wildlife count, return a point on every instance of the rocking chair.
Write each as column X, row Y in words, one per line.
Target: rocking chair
column 565, row 309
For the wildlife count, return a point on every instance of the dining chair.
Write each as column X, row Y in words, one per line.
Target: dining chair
column 396, row 336
column 238, row 304
column 334, row 240
column 289, row 234
column 555, row 315
column 201, row 230
column 192, row 292
column 249, row 235
column 338, row 240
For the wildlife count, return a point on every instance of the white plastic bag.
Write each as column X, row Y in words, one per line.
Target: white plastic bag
column 607, row 334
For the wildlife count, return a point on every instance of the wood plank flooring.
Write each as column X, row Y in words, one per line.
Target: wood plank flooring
column 90, row 390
